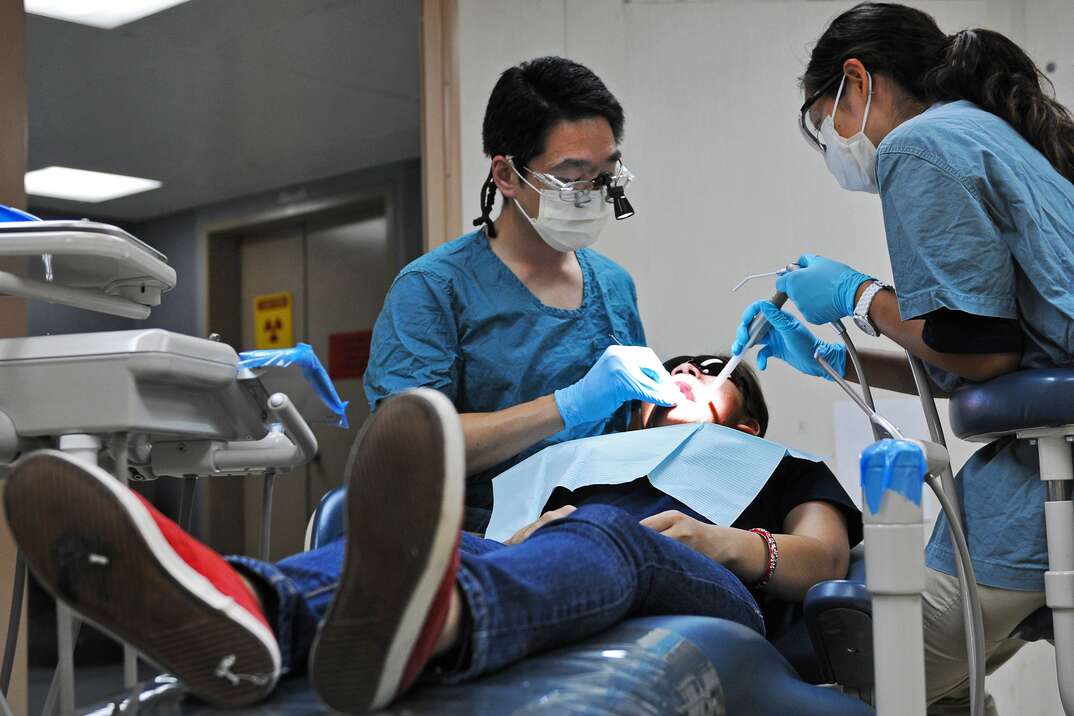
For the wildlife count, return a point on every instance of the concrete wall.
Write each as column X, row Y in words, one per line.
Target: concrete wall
column 726, row 186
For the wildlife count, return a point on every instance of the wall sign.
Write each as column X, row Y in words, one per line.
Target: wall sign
column 274, row 320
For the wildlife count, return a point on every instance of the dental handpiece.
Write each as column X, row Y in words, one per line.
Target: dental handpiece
column 757, row 329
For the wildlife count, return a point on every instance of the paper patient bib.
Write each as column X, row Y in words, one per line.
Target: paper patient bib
column 716, row 471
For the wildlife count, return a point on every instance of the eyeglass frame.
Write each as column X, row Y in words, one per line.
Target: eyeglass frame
column 809, row 134
column 602, row 182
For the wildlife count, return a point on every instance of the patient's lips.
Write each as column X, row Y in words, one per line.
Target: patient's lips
column 686, row 390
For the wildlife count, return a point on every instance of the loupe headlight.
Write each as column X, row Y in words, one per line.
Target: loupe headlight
column 615, row 192
column 620, row 204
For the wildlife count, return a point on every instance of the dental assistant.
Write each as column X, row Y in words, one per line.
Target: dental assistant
column 973, row 162
column 519, row 323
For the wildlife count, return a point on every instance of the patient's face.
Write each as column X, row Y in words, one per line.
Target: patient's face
column 702, row 401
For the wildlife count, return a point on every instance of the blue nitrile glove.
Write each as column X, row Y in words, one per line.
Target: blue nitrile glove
column 822, row 289
column 787, row 339
column 622, row 373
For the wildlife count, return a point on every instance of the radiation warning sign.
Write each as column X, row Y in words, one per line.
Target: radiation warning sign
column 274, row 320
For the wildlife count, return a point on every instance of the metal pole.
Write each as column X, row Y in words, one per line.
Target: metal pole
column 1057, row 469
column 84, row 448
column 895, row 576
column 130, row 656
column 186, row 502
column 972, row 617
column 266, row 515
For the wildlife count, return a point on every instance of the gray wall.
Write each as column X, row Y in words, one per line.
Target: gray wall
column 220, row 100
column 182, row 237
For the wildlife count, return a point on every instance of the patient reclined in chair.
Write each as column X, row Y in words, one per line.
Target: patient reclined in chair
column 406, row 596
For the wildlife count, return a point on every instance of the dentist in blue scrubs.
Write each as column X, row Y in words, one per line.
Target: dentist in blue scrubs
column 973, row 162
column 535, row 337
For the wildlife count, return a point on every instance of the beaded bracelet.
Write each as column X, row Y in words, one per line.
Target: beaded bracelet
column 773, row 555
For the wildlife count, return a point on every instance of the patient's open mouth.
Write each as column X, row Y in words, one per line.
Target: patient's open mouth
column 686, row 390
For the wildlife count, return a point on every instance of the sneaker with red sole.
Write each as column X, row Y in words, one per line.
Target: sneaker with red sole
column 106, row 553
column 404, row 520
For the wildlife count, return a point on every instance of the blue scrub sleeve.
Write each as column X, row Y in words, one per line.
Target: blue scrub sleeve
column 415, row 340
column 946, row 250
column 639, row 337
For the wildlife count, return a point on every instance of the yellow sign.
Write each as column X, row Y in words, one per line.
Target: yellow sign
column 274, row 320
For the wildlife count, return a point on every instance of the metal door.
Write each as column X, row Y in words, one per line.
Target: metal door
column 337, row 271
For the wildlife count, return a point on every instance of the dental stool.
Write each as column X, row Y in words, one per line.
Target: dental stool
column 1036, row 405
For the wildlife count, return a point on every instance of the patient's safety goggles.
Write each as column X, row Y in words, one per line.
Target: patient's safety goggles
column 711, row 366
column 707, row 365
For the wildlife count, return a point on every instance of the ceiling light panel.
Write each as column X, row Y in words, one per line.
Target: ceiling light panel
column 83, row 185
column 105, row 14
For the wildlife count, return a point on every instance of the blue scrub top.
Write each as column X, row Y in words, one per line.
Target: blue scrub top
column 979, row 221
column 460, row 321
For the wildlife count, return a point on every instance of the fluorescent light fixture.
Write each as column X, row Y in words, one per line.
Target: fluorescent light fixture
column 105, row 14
column 82, row 185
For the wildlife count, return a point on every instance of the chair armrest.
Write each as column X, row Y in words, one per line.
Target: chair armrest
column 839, row 616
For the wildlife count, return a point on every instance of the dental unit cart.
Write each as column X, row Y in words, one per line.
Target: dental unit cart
column 158, row 402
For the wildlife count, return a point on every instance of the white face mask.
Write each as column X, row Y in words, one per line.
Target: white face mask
column 563, row 225
column 852, row 161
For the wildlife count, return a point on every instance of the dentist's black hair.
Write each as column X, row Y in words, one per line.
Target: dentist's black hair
column 527, row 101
column 982, row 66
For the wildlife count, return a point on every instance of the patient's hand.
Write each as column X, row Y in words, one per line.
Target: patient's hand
column 715, row 542
column 524, row 533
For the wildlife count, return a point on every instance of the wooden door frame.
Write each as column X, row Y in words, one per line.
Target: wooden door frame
column 441, row 161
column 13, row 128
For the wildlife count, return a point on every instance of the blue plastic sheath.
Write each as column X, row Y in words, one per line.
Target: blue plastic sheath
column 303, row 356
column 9, row 214
column 897, row 465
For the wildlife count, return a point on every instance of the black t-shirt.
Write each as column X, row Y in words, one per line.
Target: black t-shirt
column 948, row 331
column 794, row 482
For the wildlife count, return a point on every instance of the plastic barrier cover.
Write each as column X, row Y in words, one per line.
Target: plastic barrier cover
column 301, row 355
column 9, row 214
column 897, row 465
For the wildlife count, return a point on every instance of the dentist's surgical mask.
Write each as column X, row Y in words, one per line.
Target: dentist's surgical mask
column 853, row 160
column 567, row 225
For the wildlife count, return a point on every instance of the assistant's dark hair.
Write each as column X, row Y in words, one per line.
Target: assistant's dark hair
column 745, row 379
column 527, row 101
column 979, row 65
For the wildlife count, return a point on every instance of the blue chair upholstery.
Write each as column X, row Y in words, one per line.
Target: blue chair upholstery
column 839, row 615
column 655, row 665
column 327, row 521
column 1025, row 399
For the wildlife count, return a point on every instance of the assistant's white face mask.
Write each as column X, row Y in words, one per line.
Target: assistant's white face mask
column 564, row 225
column 853, row 160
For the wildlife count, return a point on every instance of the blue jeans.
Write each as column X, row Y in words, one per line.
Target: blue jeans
column 571, row 579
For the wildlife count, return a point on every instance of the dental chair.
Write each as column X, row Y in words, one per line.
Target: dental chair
column 651, row 665
column 824, row 664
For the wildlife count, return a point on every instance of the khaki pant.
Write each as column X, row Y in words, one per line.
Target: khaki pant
column 946, row 666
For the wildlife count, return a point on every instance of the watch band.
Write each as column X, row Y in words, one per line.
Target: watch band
column 861, row 309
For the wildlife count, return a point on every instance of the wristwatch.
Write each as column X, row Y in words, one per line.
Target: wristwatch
column 861, row 310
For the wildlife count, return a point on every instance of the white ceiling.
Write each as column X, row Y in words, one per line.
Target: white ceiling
column 222, row 98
